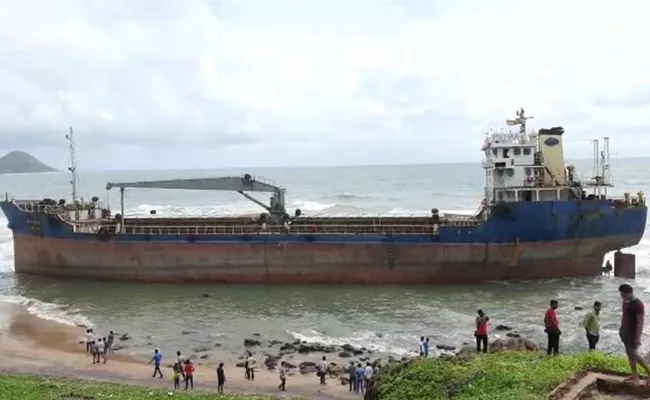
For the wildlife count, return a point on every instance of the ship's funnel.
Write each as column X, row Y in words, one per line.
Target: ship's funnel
column 550, row 144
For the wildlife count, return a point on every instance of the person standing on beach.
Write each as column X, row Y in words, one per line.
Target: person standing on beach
column 221, row 378
column 189, row 374
column 421, row 346
column 552, row 329
column 109, row 343
column 367, row 375
column 592, row 326
column 481, row 332
column 93, row 352
column 631, row 330
column 250, row 366
column 100, row 350
column 425, row 348
column 322, row 370
column 176, row 378
column 181, row 363
column 352, row 374
column 156, row 359
column 89, row 340
column 360, row 378
column 283, row 377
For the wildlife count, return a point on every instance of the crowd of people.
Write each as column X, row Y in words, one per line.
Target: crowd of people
column 360, row 377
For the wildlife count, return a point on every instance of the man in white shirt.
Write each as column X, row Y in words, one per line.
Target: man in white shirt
column 250, row 367
column 89, row 339
column 322, row 370
column 367, row 374
column 181, row 362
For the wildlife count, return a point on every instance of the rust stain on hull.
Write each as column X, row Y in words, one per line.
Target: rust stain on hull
column 310, row 262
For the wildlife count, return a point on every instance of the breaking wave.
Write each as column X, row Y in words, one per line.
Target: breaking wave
column 60, row 313
column 384, row 343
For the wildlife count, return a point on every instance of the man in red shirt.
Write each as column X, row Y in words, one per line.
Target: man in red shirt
column 631, row 330
column 552, row 329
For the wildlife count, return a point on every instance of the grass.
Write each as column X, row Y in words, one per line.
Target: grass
column 45, row 388
column 502, row 376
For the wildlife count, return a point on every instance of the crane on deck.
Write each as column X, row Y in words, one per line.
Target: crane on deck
column 239, row 184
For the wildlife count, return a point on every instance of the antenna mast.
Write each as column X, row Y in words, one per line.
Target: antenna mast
column 73, row 165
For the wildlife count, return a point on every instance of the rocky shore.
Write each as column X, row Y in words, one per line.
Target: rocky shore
column 301, row 357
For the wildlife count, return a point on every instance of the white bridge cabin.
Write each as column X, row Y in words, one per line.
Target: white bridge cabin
column 522, row 166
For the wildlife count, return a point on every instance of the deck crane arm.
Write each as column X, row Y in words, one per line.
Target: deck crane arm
column 239, row 184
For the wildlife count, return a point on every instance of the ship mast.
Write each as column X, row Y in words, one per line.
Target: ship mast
column 73, row 165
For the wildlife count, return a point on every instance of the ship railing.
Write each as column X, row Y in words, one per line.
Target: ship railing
column 292, row 229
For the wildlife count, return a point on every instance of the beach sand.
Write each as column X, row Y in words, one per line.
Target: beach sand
column 32, row 345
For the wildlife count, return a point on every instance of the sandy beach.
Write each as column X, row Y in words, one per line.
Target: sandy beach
column 31, row 345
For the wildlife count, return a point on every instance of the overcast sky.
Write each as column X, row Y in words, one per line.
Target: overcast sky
column 201, row 84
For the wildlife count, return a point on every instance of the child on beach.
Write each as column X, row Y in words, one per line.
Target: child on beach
column 221, row 378
column 189, row 374
column 176, row 378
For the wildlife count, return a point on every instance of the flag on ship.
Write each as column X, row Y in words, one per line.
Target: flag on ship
column 512, row 121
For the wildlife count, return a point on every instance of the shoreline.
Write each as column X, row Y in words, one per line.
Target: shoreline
column 30, row 345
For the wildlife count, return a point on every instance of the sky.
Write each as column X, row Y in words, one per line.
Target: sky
column 153, row 84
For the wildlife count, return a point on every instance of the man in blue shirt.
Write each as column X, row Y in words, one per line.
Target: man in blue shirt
column 157, row 357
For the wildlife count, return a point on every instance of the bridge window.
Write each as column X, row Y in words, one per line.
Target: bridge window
column 517, row 151
column 527, row 151
column 495, row 152
column 505, row 153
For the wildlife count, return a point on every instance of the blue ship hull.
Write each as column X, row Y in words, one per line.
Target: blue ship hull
column 522, row 240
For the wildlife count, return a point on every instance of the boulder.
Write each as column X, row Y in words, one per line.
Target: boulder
column 251, row 342
column 307, row 367
column 446, row 347
column 201, row 349
column 345, row 354
column 502, row 328
column 271, row 362
column 513, row 344
column 125, row 336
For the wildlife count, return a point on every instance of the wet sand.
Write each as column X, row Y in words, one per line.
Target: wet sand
column 31, row 345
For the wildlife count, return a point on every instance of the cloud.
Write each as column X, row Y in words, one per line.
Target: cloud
column 285, row 82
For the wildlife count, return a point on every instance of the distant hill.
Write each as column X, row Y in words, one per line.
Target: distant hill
column 19, row 162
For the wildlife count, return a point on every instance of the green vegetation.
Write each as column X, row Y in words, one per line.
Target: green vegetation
column 43, row 388
column 502, row 376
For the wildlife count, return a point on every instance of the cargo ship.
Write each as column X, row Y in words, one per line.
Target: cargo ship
column 537, row 220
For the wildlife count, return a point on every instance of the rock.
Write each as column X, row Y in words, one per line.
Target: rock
column 204, row 356
column 187, row 332
column 513, row 335
column 345, row 354
column 351, row 349
column 503, row 328
column 201, row 349
column 289, row 365
column 512, row 344
column 307, row 367
column 205, row 295
column 125, row 336
column 241, row 364
column 271, row 362
column 578, row 308
column 345, row 380
column 274, row 342
column 117, row 346
column 251, row 342
column 257, row 334
column 446, row 347
column 333, row 369
column 217, row 345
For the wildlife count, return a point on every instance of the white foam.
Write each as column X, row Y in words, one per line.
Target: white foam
column 53, row 312
column 6, row 247
column 392, row 344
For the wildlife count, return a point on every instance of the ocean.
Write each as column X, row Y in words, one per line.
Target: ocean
column 387, row 319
